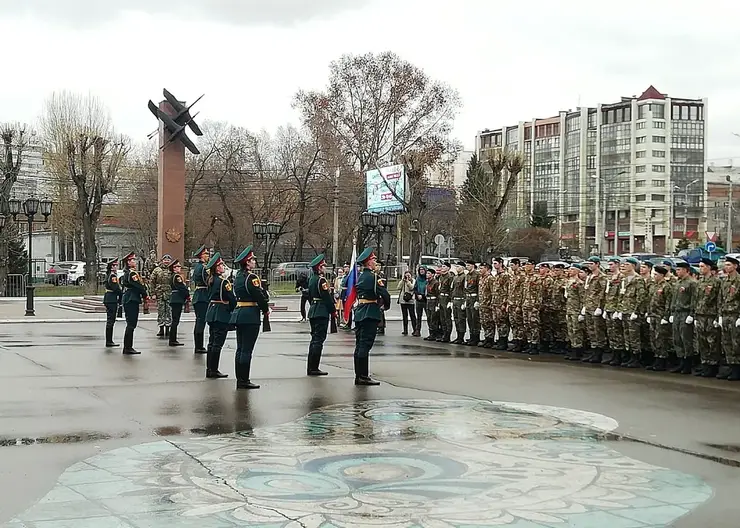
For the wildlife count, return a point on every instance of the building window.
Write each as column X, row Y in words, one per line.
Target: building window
column 591, row 162
column 640, row 198
column 658, row 197
column 658, row 183
column 592, row 120
column 640, row 183
column 642, row 111
column 658, row 110
column 658, row 139
column 640, row 168
column 659, row 153
column 640, row 125
column 642, row 139
column 658, row 124
column 658, row 168
column 640, row 153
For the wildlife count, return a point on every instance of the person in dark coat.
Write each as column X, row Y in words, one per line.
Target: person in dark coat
column 111, row 300
column 179, row 296
column 134, row 294
column 200, row 298
column 221, row 302
column 320, row 311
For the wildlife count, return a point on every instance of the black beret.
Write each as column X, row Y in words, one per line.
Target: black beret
column 660, row 269
column 707, row 262
column 684, row 265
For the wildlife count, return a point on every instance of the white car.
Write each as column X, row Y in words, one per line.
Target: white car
column 68, row 272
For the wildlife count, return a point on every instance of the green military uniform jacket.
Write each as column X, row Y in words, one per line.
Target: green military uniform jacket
column 659, row 305
column 248, row 289
column 135, row 290
column 319, row 295
column 458, row 287
column 632, row 295
column 221, row 301
column 683, row 296
column 574, row 294
column 113, row 292
column 370, row 287
column 707, row 296
column 200, row 279
column 729, row 298
column 532, row 290
column 471, row 285
column 594, row 292
column 611, row 292
column 179, row 292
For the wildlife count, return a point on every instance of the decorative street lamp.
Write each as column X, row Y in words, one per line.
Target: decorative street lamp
column 267, row 231
column 30, row 208
column 380, row 223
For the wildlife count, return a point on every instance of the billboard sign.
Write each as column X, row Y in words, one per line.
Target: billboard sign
column 382, row 187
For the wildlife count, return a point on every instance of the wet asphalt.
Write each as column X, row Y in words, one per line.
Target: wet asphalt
column 64, row 397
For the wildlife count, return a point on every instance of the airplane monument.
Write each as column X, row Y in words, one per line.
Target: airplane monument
column 174, row 118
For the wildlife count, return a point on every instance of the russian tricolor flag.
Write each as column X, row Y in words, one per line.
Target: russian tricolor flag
column 351, row 285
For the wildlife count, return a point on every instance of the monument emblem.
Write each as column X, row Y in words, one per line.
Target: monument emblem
column 174, row 118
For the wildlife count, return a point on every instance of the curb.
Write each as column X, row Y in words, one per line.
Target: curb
column 32, row 320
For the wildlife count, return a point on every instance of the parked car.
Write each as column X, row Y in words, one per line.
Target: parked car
column 290, row 271
column 62, row 273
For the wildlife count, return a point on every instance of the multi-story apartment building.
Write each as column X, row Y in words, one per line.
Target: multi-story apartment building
column 451, row 173
column 619, row 177
column 723, row 203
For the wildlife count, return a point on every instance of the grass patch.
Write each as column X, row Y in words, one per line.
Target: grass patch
column 58, row 291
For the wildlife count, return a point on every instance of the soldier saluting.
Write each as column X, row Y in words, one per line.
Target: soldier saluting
column 200, row 298
column 321, row 309
column 221, row 302
column 134, row 294
column 372, row 297
column 179, row 295
column 111, row 300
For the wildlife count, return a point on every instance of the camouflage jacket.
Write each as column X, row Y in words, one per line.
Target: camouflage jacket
column 706, row 296
column 573, row 296
column 532, row 291
column 632, row 295
column 729, row 297
column 485, row 291
column 557, row 294
column 594, row 292
column 611, row 292
column 515, row 296
column 649, row 288
column 683, row 296
column 661, row 297
column 159, row 282
column 500, row 289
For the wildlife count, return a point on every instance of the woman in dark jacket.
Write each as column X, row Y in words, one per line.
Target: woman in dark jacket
column 420, row 298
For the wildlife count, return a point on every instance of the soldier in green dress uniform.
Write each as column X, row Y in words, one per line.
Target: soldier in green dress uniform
column 221, row 301
column 372, row 297
column 111, row 300
column 133, row 295
column 321, row 309
column 179, row 295
column 200, row 298
column 251, row 301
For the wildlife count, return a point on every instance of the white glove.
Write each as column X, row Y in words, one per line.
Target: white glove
column 620, row 315
column 597, row 312
column 583, row 311
column 719, row 321
column 663, row 322
column 649, row 320
column 604, row 316
column 436, row 308
column 715, row 323
column 581, row 318
column 633, row 317
column 476, row 305
column 462, row 306
column 670, row 319
column 737, row 323
column 689, row 320
column 449, row 305
column 615, row 316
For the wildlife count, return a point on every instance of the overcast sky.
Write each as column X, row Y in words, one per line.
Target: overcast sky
column 510, row 61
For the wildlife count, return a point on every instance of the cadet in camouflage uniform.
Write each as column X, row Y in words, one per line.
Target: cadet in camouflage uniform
column 560, row 326
column 445, row 302
column 514, row 305
column 659, row 313
column 472, row 305
column 682, row 318
column 160, row 285
column 458, row 303
column 706, row 311
column 631, row 304
column 532, row 302
column 573, row 304
column 547, row 315
column 432, row 307
column 594, row 297
column 646, row 269
column 729, row 318
column 500, row 284
column 614, row 328
column 485, row 291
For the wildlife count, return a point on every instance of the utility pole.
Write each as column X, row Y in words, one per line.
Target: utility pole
column 335, row 241
column 729, row 216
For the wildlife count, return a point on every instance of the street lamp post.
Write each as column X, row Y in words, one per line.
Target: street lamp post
column 686, row 205
column 30, row 208
column 380, row 223
column 267, row 231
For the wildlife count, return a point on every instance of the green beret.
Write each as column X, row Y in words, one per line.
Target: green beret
column 594, row 259
column 632, row 260
column 615, row 259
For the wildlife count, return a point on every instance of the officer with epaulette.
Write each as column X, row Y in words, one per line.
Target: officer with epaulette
column 221, row 301
column 111, row 300
column 372, row 297
column 320, row 311
column 251, row 301
column 133, row 295
column 180, row 294
column 200, row 298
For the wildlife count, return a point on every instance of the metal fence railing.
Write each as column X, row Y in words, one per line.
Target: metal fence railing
column 15, row 285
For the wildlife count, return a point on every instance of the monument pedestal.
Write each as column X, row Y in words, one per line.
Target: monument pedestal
column 171, row 192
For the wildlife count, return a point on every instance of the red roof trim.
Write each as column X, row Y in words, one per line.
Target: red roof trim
column 651, row 93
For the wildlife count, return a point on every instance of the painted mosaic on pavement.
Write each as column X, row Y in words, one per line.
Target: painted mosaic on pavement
column 385, row 463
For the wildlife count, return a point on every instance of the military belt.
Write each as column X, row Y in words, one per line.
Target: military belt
column 245, row 304
column 201, row 287
column 219, row 302
column 368, row 301
column 444, row 294
column 431, row 298
column 458, row 298
column 472, row 294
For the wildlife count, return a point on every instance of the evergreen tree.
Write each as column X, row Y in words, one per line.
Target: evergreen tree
column 17, row 254
column 540, row 218
column 683, row 244
column 476, row 188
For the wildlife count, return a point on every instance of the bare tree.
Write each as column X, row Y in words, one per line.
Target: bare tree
column 14, row 137
column 83, row 148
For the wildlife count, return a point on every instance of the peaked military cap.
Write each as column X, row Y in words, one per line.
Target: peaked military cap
column 366, row 255
column 174, row 263
column 594, row 258
column 215, row 260
column 113, row 261
column 166, row 256
column 318, row 261
column 685, row 265
column 245, row 255
column 198, row 252
column 632, row 260
column 733, row 260
column 707, row 262
column 128, row 257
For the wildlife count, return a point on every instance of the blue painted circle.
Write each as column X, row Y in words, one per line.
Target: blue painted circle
column 710, row 246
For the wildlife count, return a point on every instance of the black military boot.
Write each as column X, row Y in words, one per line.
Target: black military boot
column 518, row 346
column 616, row 358
column 734, row 373
column 658, row 366
column 588, row 356
column 574, row 354
column 212, row 361
column 314, row 359
column 128, row 343
column 109, row 337
column 534, row 349
column 173, row 342
column 543, row 347
column 242, row 376
column 635, row 362
column 459, row 340
column 688, row 366
column 161, row 331
column 474, row 340
column 709, row 371
column 679, row 368
column 597, row 356
column 198, row 341
column 626, row 358
column 166, row 331
column 362, row 373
